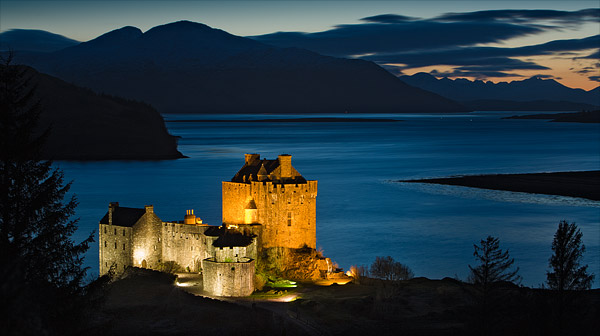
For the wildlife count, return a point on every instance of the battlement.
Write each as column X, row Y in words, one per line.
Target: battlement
column 278, row 171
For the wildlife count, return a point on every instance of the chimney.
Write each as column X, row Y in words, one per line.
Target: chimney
column 251, row 158
column 285, row 162
column 189, row 218
column 111, row 208
column 149, row 208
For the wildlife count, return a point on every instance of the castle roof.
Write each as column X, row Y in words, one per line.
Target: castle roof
column 123, row 216
column 264, row 170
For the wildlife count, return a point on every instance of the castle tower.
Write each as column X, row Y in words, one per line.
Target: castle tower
column 274, row 194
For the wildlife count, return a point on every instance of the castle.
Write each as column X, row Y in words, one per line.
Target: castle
column 267, row 204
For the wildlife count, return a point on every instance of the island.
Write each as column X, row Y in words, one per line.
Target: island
column 583, row 184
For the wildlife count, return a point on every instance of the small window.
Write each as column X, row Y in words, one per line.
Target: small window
column 106, row 264
column 154, row 247
column 289, row 220
column 123, row 247
column 115, row 245
column 105, row 244
column 123, row 232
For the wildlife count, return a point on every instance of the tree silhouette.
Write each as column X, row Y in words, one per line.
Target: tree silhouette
column 40, row 266
column 568, row 248
column 493, row 265
column 388, row 269
column 494, row 268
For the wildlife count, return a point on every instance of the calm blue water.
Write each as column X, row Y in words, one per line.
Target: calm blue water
column 361, row 214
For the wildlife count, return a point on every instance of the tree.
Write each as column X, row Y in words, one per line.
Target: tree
column 567, row 274
column 388, row 269
column 40, row 266
column 493, row 265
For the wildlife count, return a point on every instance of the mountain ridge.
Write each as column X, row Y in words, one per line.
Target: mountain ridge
column 524, row 91
column 191, row 67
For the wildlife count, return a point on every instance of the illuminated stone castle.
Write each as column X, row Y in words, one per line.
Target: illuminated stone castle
column 273, row 194
column 266, row 204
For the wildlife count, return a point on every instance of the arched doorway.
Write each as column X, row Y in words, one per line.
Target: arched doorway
column 144, row 264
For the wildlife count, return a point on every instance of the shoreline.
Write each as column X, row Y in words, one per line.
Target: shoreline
column 581, row 184
column 291, row 120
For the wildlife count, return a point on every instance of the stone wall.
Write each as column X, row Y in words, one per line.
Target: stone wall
column 147, row 241
column 115, row 247
column 286, row 211
column 186, row 245
column 228, row 278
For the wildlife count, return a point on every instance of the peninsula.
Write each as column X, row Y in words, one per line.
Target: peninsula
column 88, row 126
column 584, row 184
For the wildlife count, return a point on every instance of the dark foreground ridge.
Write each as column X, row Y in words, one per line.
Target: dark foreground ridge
column 587, row 117
column 144, row 302
column 293, row 120
column 584, row 184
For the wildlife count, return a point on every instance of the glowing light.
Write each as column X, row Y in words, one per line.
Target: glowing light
column 182, row 284
column 139, row 255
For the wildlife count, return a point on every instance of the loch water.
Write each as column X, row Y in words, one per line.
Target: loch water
column 361, row 212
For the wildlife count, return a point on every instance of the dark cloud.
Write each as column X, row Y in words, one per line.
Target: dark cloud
column 546, row 76
column 360, row 39
column 594, row 55
column 472, row 74
column 487, row 55
column 452, row 39
column 525, row 16
column 594, row 78
column 389, row 18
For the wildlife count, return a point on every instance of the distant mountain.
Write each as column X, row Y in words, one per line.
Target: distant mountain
column 529, row 94
column 88, row 126
column 190, row 67
column 33, row 40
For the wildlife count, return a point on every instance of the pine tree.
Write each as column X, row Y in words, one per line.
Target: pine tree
column 568, row 248
column 493, row 265
column 41, row 267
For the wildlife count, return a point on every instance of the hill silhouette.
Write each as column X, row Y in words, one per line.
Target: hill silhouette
column 534, row 93
column 33, row 40
column 190, row 67
column 88, row 126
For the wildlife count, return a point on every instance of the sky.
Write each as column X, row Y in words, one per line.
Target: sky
column 483, row 39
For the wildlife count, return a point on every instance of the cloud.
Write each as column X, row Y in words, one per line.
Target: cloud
column 524, row 16
column 594, row 78
column 472, row 74
column 368, row 38
column 389, row 18
column 451, row 39
column 492, row 56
